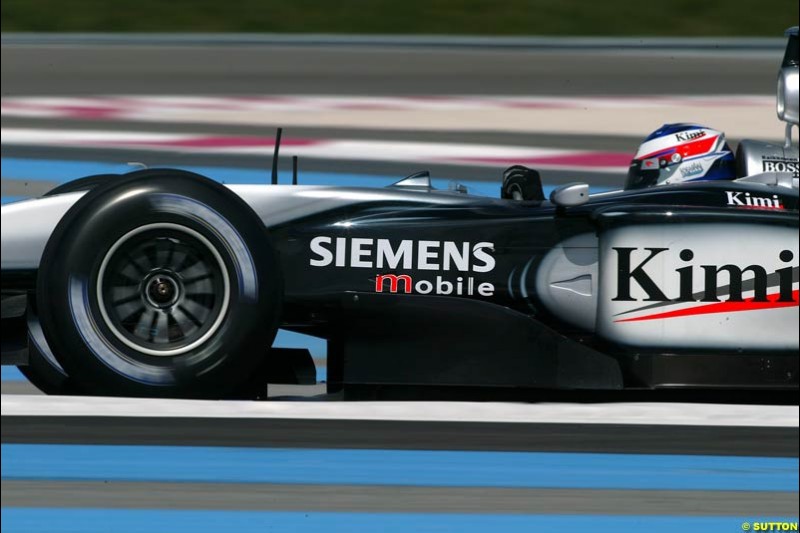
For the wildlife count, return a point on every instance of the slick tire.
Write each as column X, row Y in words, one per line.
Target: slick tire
column 161, row 283
column 43, row 370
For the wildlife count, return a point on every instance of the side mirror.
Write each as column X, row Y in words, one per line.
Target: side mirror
column 570, row 195
column 788, row 76
column 788, row 95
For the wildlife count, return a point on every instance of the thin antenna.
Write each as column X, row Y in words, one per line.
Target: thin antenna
column 275, row 157
column 294, row 170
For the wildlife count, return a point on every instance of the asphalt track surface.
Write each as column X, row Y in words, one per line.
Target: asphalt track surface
column 405, row 435
column 54, row 69
column 300, row 497
column 88, row 70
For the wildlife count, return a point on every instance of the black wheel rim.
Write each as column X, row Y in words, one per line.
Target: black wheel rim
column 163, row 289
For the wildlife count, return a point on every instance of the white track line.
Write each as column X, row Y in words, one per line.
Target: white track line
column 614, row 413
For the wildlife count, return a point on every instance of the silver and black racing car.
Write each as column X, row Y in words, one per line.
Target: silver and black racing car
column 164, row 283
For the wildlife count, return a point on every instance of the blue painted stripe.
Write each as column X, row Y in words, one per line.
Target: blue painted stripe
column 10, row 199
column 288, row 339
column 57, row 170
column 12, row 373
column 397, row 467
column 16, row 520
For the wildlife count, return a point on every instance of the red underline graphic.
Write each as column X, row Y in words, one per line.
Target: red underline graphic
column 723, row 307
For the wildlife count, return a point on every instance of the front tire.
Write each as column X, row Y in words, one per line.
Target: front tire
column 43, row 369
column 162, row 283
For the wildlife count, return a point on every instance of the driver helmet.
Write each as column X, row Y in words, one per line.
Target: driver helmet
column 677, row 153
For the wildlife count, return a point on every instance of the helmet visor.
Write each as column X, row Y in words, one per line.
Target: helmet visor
column 647, row 173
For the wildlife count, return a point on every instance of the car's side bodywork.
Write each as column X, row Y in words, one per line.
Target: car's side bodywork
column 417, row 286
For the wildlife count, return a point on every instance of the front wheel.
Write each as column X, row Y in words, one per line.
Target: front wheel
column 162, row 283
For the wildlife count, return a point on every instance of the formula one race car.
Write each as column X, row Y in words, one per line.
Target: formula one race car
column 164, row 283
